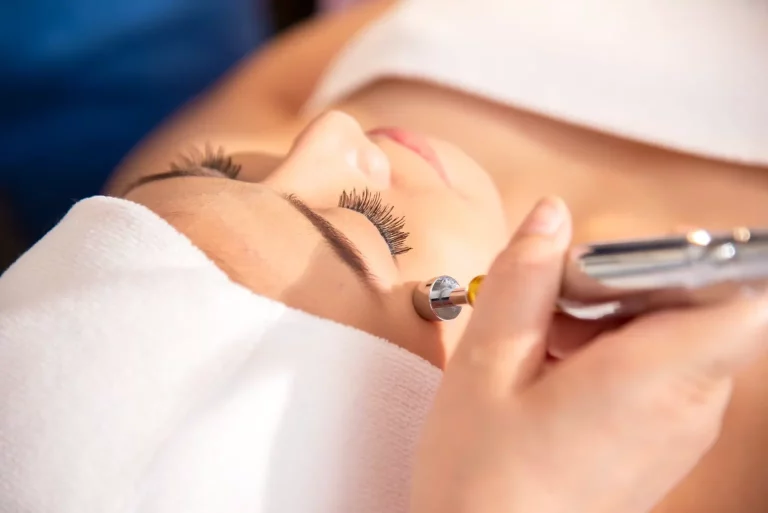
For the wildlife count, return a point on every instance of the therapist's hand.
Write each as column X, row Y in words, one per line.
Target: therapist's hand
column 609, row 430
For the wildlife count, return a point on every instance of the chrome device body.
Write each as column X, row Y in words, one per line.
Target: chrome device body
column 625, row 278
column 629, row 277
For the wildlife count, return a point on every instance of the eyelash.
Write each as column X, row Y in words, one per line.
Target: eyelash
column 207, row 158
column 390, row 226
column 366, row 202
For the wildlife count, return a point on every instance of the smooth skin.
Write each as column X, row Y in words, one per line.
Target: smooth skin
column 254, row 112
column 261, row 241
column 612, row 429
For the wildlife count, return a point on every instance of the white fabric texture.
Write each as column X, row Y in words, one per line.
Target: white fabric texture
column 136, row 377
column 690, row 75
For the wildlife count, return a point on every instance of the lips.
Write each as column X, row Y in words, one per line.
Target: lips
column 417, row 144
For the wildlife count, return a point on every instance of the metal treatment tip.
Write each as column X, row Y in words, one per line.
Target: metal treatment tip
column 436, row 299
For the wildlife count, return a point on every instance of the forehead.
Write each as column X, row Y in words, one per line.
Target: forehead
column 251, row 232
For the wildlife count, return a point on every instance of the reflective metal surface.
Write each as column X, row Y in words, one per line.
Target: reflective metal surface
column 627, row 277
column 630, row 277
column 439, row 299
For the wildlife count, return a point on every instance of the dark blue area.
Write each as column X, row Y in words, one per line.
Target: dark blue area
column 81, row 81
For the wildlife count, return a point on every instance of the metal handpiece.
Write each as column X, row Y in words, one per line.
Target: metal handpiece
column 629, row 277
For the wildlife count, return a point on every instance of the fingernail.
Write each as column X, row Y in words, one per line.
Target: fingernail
column 546, row 218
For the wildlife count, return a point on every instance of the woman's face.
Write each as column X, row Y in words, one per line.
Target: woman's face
column 329, row 229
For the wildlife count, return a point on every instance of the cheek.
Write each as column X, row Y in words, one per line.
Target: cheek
column 470, row 181
column 433, row 341
column 461, row 243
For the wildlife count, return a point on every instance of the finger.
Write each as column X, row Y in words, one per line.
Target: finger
column 567, row 334
column 696, row 347
column 504, row 344
column 717, row 340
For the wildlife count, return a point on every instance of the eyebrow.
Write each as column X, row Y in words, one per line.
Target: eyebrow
column 340, row 244
column 344, row 248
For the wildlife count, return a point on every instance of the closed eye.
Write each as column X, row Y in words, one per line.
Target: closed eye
column 391, row 228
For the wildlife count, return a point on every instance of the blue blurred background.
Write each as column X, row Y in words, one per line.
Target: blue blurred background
column 82, row 81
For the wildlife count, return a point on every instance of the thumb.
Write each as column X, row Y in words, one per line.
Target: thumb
column 504, row 343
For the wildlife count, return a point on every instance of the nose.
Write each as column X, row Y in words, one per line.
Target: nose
column 333, row 150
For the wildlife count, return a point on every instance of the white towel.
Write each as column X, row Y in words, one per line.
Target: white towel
column 136, row 377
